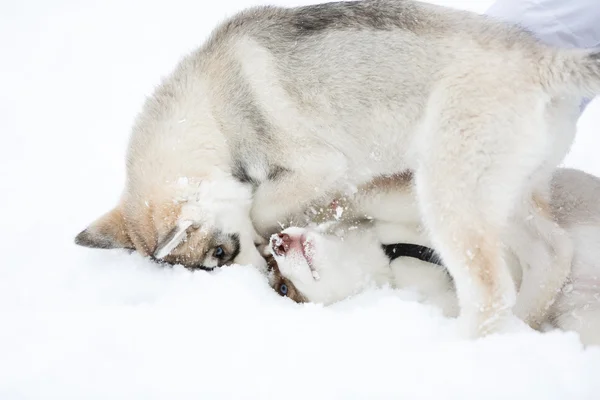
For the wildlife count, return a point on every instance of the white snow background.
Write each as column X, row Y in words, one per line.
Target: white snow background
column 90, row 324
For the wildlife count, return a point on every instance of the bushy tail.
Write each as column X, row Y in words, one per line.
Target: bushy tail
column 574, row 72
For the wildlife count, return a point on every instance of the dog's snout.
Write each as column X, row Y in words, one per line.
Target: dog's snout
column 281, row 243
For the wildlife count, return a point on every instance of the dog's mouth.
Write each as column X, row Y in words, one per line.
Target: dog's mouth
column 282, row 243
column 308, row 251
column 203, row 268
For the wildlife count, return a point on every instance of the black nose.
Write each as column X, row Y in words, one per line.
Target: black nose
column 281, row 243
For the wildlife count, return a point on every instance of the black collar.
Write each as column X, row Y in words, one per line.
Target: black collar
column 422, row 253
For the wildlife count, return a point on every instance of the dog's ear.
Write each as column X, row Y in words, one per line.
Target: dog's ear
column 107, row 232
column 172, row 240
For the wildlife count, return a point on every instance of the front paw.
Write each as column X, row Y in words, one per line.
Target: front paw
column 478, row 325
column 533, row 318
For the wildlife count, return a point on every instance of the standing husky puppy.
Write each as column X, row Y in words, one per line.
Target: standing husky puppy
column 281, row 107
column 343, row 258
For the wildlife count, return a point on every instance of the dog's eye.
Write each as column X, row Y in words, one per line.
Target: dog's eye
column 283, row 289
column 219, row 252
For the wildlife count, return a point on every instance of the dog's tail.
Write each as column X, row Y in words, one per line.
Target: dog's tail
column 575, row 72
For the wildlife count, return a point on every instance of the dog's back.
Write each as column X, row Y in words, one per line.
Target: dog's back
column 282, row 107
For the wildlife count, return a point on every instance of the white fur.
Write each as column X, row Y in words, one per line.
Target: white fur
column 303, row 103
column 349, row 261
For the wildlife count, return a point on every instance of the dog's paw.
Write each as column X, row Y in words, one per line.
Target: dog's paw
column 478, row 325
column 533, row 320
column 513, row 324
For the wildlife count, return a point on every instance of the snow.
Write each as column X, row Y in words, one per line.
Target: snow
column 84, row 324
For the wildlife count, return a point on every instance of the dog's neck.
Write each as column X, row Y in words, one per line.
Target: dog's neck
column 423, row 253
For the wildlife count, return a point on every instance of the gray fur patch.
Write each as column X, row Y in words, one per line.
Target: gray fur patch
column 378, row 15
column 276, row 171
column 595, row 58
column 245, row 123
column 272, row 24
column 235, row 241
column 94, row 241
column 251, row 114
column 240, row 172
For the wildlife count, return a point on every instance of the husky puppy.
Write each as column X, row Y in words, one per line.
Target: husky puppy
column 331, row 263
column 282, row 107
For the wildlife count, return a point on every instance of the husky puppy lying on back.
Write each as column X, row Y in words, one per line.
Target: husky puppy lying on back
column 282, row 107
column 329, row 264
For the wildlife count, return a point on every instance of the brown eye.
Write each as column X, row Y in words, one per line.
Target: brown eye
column 219, row 252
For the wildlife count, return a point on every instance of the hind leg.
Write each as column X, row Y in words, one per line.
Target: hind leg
column 584, row 321
column 578, row 309
column 473, row 171
column 545, row 252
column 548, row 253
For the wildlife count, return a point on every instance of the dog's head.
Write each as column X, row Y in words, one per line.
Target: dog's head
column 326, row 267
column 281, row 284
column 199, row 224
column 181, row 203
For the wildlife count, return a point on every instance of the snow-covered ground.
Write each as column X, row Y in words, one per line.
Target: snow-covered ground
column 84, row 324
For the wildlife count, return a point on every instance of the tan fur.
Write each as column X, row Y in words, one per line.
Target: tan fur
column 484, row 262
column 109, row 229
column 153, row 222
column 385, row 188
column 575, row 307
column 390, row 182
column 542, row 205
column 284, row 107
column 276, row 279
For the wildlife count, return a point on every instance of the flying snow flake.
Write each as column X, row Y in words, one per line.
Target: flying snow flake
column 278, row 241
column 338, row 212
column 315, row 275
column 470, row 254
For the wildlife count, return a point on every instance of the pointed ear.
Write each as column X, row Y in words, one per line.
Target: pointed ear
column 107, row 232
column 172, row 240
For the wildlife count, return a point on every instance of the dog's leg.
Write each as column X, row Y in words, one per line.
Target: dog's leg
column 546, row 253
column 577, row 308
column 292, row 193
column 473, row 169
column 546, row 249
column 468, row 237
